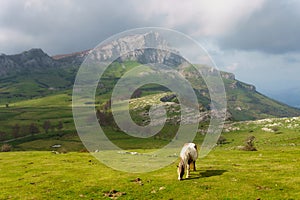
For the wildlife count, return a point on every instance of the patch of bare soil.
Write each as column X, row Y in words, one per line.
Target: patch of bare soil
column 114, row 194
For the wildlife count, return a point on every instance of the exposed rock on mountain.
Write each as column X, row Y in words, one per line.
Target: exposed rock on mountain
column 34, row 59
column 156, row 51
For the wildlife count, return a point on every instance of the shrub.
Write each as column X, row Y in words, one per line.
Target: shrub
column 84, row 150
column 2, row 135
column 249, row 144
column 47, row 126
column 33, row 129
column 63, row 150
column 275, row 129
column 6, row 148
column 60, row 125
column 221, row 140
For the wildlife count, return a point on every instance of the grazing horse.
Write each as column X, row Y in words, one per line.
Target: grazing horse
column 188, row 156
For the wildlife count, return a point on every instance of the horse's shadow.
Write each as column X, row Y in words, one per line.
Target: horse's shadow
column 205, row 174
column 209, row 173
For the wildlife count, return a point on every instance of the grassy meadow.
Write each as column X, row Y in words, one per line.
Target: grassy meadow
column 223, row 174
column 271, row 172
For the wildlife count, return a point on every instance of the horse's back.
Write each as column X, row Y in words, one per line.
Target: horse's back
column 189, row 148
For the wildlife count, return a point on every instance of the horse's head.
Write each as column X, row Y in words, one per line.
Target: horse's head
column 180, row 169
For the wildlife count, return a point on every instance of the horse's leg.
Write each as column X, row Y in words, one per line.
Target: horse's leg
column 194, row 164
column 187, row 170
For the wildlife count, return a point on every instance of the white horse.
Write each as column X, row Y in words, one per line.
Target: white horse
column 188, row 156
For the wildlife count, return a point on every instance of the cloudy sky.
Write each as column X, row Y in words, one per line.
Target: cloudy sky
column 258, row 40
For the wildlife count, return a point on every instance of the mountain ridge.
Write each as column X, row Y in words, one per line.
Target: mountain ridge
column 34, row 74
column 27, row 60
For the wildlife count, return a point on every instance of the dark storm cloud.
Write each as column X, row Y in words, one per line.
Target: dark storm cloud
column 275, row 28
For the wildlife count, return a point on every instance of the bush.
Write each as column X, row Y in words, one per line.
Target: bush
column 221, row 140
column 84, row 150
column 275, row 129
column 249, row 144
column 63, row 150
column 6, row 148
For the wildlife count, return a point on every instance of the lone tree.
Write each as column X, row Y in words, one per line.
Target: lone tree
column 33, row 129
column 102, row 118
column 2, row 135
column 107, row 105
column 136, row 94
column 46, row 126
column 16, row 131
column 60, row 125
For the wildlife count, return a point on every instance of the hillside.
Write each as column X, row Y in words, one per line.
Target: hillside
column 33, row 74
column 36, row 89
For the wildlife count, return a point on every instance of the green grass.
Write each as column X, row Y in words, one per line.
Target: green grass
column 53, row 108
column 35, row 84
column 57, row 100
column 223, row 174
column 41, row 142
column 271, row 172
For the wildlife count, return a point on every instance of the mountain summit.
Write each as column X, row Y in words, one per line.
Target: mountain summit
column 28, row 60
column 148, row 48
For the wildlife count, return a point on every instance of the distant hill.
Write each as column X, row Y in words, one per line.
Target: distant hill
column 34, row 74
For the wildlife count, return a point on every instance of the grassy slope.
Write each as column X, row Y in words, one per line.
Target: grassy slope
column 35, row 84
column 53, row 108
column 57, row 108
column 245, row 104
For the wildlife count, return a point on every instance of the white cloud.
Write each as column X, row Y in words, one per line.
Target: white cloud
column 233, row 67
column 205, row 17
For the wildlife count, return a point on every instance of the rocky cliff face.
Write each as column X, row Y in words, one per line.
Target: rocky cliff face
column 143, row 48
